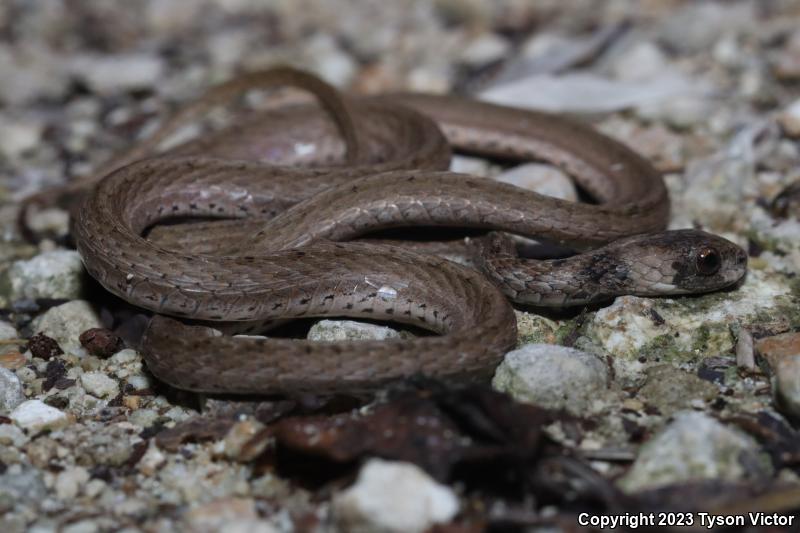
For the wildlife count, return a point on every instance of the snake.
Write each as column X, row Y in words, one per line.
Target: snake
column 283, row 203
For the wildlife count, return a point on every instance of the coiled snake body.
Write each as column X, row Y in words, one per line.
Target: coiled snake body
column 277, row 251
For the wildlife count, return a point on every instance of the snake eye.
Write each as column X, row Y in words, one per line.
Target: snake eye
column 708, row 261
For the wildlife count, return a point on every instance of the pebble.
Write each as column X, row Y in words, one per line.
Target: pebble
column 11, row 435
column 790, row 119
column 101, row 342
column 553, row 376
column 117, row 73
column 233, row 446
column 35, row 416
column 696, row 447
column 56, row 274
column 99, row 384
column 236, row 515
column 393, row 497
column 70, row 481
column 787, row 64
column 642, row 61
column 330, row 62
column 782, row 352
column 485, row 49
column 11, row 393
column 469, row 165
column 52, row 221
column 7, row 331
column 20, row 485
column 697, row 26
column 541, row 178
column 152, row 460
column 19, row 136
column 66, row 322
column 37, row 74
column 348, row 330
column 745, row 352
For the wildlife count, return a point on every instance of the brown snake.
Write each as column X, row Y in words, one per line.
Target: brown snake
column 288, row 190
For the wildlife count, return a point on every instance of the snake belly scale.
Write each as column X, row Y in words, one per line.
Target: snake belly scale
column 277, row 251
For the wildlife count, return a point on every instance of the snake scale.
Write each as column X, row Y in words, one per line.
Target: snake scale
column 281, row 196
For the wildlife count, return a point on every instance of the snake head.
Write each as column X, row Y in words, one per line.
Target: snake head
column 683, row 261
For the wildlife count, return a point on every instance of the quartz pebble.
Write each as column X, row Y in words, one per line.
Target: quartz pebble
column 35, row 415
column 99, row 384
column 391, row 497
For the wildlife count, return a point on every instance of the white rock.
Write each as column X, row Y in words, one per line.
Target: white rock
column 329, row 61
column 553, row 376
column 56, row 274
column 139, row 382
column 477, row 166
column 124, row 357
column 391, row 497
column 642, row 61
column 790, row 119
column 35, row 416
column 235, row 515
column 152, row 460
column 70, row 481
column 19, row 136
column 347, row 330
column 11, row 435
column 66, row 322
column 37, row 74
column 7, row 331
column 11, row 393
column 485, row 49
column 544, row 179
column 95, row 487
column 696, row 447
column 51, row 220
column 108, row 74
column 99, row 384
column 588, row 93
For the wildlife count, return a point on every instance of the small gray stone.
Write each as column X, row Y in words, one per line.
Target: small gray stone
column 349, row 330
column 7, row 331
column 66, row 322
column 553, row 376
column 696, row 447
column 100, row 385
column 55, row 274
column 11, row 393
column 391, row 497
